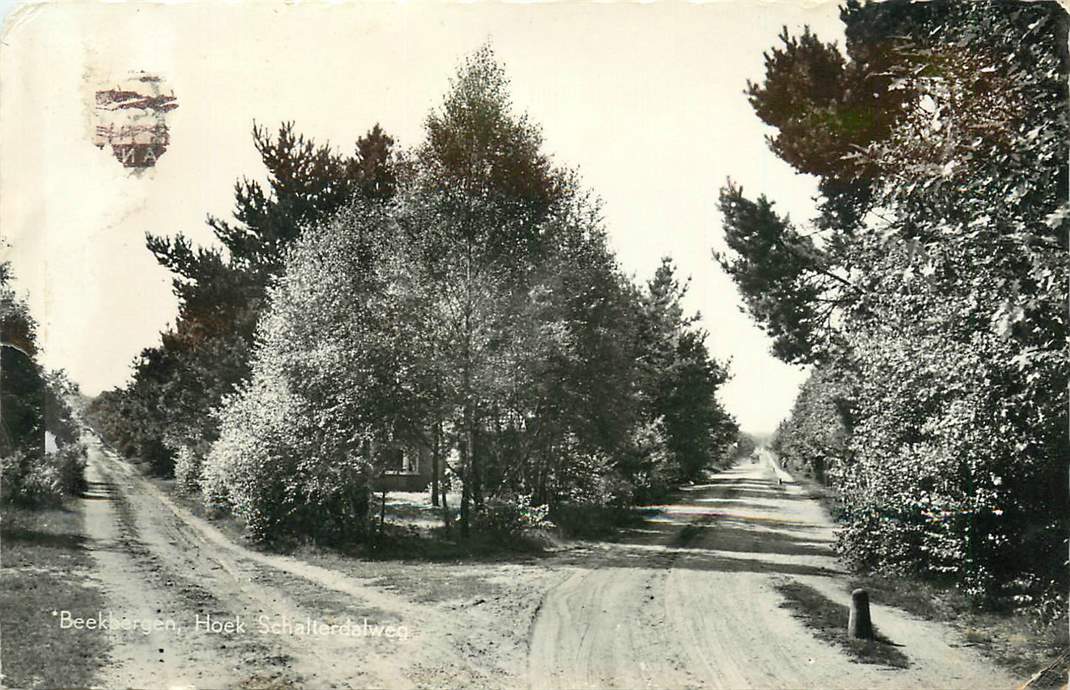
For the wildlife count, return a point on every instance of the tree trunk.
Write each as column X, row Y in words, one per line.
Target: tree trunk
column 358, row 499
column 543, row 471
column 382, row 513
column 467, row 460
column 436, row 449
column 466, row 480
column 464, row 509
column 477, row 474
column 446, row 513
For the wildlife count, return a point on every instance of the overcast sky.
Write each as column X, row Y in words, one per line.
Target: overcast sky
column 645, row 100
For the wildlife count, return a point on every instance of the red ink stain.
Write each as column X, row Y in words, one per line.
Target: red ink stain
column 132, row 119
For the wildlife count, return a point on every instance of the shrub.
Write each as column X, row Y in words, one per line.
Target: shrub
column 277, row 469
column 512, row 516
column 70, row 462
column 589, row 521
column 592, row 479
column 188, row 467
column 814, row 439
column 956, row 470
column 26, row 481
column 652, row 472
column 34, row 479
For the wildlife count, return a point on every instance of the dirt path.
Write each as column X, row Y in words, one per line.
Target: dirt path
column 689, row 601
column 138, row 589
column 158, row 562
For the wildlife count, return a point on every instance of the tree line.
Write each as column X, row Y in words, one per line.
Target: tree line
column 461, row 296
column 42, row 459
column 929, row 294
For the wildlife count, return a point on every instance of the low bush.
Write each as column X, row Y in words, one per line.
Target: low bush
column 281, row 473
column 70, row 463
column 592, row 521
column 512, row 516
column 27, row 481
column 36, row 479
column 188, row 467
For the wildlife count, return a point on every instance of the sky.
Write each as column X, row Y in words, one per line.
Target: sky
column 646, row 101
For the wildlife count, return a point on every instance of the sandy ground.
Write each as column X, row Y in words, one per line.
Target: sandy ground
column 647, row 612
column 655, row 613
column 156, row 561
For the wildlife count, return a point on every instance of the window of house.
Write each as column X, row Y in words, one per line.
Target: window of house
column 399, row 461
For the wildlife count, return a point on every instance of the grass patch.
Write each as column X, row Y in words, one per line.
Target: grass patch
column 45, row 568
column 687, row 534
column 329, row 605
column 400, row 543
column 583, row 521
column 828, row 620
column 451, row 586
column 1015, row 641
column 925, row 600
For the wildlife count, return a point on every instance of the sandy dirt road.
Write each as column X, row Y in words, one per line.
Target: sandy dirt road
column 158, row 562
column 688, row 601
